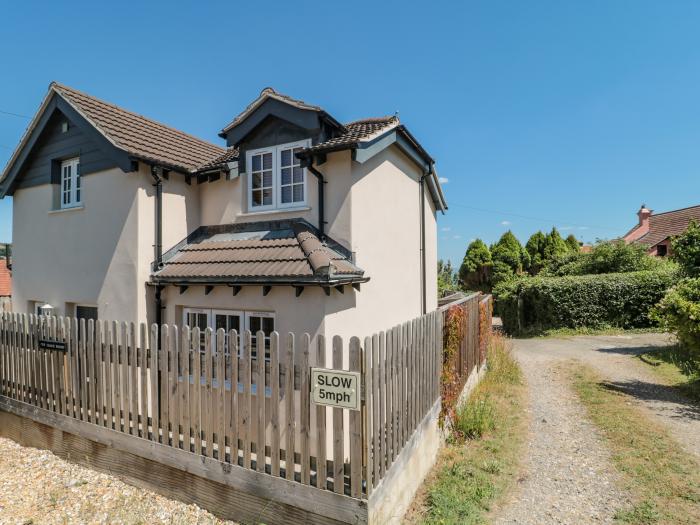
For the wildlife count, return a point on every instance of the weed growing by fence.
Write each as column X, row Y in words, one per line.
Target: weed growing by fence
column 451, row 383
column 662, row 477
column 471, row 476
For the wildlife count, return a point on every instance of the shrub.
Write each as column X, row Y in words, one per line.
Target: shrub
column 535, row 248
column 606, row 257
column 686, row 250
column 623, row 300
column 679, row 312
column 572, row 243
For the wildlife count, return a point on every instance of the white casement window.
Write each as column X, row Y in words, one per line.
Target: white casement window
column 71, row 193
column 276, row 179
column 256, row 321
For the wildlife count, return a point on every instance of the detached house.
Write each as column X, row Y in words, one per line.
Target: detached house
column 300, row 223
column 655, row 230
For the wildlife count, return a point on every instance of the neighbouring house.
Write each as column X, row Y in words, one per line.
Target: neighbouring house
column 655, row 230
column 300, row 223
column 5, row 285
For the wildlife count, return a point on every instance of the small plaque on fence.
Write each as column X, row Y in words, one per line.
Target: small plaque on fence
column 335, row 388
column 45, row 344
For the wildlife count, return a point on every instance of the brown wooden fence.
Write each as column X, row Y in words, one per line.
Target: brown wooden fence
column 204, row 395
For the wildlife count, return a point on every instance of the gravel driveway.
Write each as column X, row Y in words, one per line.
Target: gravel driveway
column 568, row 474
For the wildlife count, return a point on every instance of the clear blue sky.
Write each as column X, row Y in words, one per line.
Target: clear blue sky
column 540, row 114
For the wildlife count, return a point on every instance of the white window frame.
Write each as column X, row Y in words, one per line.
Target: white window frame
column 75, row 190
column 231, row 313
column 268, row 315
column 277, row 203
column 244, row 315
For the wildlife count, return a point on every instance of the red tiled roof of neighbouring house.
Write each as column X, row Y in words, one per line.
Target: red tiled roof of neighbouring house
column 667, row 224
column 141, row 136
column 5, row 279
column 275, row 251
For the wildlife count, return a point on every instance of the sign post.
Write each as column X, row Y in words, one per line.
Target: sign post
column 335, row 388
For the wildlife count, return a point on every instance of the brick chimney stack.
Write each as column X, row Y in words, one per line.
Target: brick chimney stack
column 644, row 213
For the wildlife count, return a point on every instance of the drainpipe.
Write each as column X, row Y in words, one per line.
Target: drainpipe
column 156, row 173
column 321, row 210
column 424, row 305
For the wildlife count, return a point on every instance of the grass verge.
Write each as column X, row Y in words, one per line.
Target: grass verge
column 481, row 460
column 663, row 479
column 570, row 332
column 674, row 367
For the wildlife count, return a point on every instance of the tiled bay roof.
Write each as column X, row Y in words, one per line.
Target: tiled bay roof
column 288, row 252
column 668, row 224
column 231, row 154
column 140, row 136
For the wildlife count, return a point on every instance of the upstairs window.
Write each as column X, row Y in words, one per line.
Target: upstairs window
column 70, row 183
column 276, row 179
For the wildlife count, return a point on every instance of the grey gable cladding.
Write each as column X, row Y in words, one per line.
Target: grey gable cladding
column 32, row 165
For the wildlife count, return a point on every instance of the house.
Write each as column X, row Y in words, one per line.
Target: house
column 5, row 286
column 299, row 223
column 655, row 230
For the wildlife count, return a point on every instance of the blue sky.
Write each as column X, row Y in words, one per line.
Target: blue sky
column 540, row 114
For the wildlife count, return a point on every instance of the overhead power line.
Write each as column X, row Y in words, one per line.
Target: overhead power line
column 14, row 114
column 550, row 221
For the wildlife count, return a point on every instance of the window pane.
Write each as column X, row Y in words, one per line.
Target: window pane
column 220, row 322
column 234, row 323
column 296, row 160
column 286, row 157
column 256, row 163
column 257, row 180
column 267, row 161
column 86, row 312
column 286, row 194
column 287, row 175
column 267, row 197
column 268, row 324
column 267, row 179
column 257, row 198
column 254, row 324
column 298, row 175
column 298, row 193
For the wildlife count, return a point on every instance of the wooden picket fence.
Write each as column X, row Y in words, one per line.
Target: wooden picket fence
column 208, row 396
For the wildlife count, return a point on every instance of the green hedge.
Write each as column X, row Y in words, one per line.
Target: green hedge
column 623, row 300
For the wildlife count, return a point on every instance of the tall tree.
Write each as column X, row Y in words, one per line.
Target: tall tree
column 508, row 257
column 475, row 269
column 555, row 246
column 447, row 280
column 535, row 247
column 573, row 244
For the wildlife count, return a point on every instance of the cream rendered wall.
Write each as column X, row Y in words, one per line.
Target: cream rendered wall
column 385, row 225
column 89, row 256
column 181, row 216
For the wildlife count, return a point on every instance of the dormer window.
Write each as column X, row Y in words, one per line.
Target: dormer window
column 70, row 183
column 276, row 179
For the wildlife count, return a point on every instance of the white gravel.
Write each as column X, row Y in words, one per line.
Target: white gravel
column 37, row 487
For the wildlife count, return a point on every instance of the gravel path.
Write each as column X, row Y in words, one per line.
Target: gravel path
column 37, row 487
column 614, row 358
column 568, row 475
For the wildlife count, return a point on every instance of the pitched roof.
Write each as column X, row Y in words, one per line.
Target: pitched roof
column 265, row 94
column 140, row 136
column 286, row 252
column 359, row 131
column 5, row 279
column 668, row 224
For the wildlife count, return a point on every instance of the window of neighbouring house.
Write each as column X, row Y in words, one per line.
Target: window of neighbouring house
column 276, row 179
column 86, row 312
column 71, row 191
